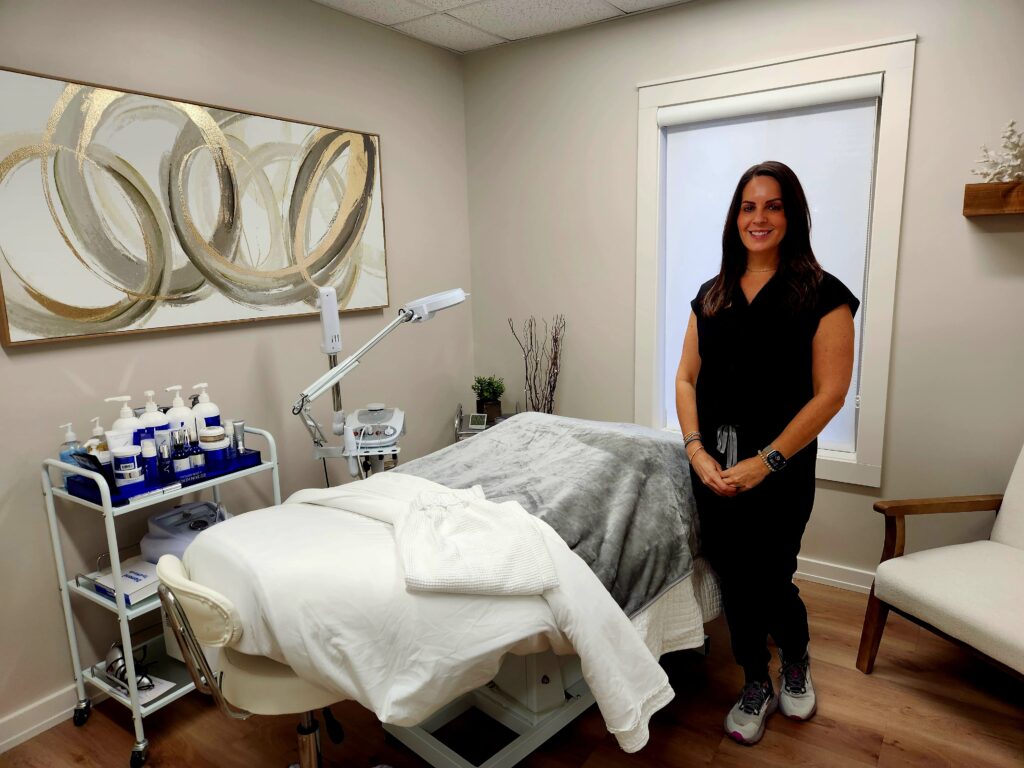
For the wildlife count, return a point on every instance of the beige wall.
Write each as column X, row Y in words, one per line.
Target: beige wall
column 293, row 59
column 551, row 130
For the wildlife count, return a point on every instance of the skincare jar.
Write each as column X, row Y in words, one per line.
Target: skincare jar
column 214, row 445
column 127, row 466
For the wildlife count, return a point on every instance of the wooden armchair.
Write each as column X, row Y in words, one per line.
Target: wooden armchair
column 971, row 594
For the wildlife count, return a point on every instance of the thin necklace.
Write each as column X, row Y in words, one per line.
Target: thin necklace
column 762, row 270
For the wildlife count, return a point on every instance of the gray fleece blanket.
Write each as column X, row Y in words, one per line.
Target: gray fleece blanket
column 618, row 494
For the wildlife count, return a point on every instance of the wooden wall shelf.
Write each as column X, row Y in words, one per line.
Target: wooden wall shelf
column 993, row 198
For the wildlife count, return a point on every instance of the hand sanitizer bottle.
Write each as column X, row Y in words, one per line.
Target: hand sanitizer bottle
column 207, row 413
column 69, row 446
column 179, row 415
column 127, row 421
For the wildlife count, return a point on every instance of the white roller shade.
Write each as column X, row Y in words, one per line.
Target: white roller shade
column 775, row 100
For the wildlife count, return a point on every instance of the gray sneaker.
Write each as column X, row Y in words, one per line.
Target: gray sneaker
column 745, row 721
column 796, row 692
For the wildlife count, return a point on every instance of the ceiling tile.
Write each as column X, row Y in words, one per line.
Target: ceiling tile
column 444, row 5
column 631, row 6
column 516, row 19
column 447, row 32
column 381, row 11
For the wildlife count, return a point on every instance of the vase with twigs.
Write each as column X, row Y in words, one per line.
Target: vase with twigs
column 542, row 360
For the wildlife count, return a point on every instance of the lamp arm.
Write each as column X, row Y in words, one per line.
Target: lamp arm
column 321, row 385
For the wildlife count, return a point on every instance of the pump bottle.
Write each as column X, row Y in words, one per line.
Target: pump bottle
column 179, row 415
column 97, row 444
column 155, row 424
column 127, row 421
column 207, row 414
column 69, row 446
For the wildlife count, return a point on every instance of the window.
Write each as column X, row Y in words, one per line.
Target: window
column 840, row 120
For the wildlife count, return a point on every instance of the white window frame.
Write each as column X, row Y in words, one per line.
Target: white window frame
column 894, row 60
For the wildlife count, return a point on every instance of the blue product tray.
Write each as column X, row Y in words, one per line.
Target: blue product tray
column 85, row 488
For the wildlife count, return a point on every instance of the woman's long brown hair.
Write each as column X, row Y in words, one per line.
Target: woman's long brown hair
column 798, row 268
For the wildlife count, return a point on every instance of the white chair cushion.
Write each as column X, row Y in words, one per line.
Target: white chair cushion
column 213, row 618
column 264, row 687
column 1009, row 527
column 972, row 592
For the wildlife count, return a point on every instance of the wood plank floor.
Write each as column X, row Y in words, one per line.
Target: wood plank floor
column 928, row 703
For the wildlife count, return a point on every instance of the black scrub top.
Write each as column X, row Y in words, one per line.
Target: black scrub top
column 755, row 363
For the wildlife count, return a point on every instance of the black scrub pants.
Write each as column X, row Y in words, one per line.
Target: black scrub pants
column 751, row 541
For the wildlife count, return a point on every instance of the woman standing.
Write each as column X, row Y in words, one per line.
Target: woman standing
column 766, row 364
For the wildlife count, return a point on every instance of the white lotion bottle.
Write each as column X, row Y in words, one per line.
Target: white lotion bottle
column 179, row 415
column 206, row 413
column 127, row 421
column 99, row 442
column 155, row 424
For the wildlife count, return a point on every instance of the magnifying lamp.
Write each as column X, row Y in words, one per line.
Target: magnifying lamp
column 417, row 311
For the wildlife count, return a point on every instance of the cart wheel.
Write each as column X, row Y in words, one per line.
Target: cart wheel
column 82, row 711
column 139, row 758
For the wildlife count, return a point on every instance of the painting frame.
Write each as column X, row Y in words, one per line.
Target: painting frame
column 363, row 208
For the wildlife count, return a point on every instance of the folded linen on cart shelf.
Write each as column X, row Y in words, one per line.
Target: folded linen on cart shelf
column 457, row 541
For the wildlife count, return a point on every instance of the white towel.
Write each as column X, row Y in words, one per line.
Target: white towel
column 457, row 541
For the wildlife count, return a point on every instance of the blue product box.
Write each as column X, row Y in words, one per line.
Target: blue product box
column 85, row 488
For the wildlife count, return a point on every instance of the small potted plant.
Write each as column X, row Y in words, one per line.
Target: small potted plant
column 489, row 390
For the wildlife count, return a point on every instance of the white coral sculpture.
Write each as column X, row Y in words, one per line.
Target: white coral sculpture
column 1007, row 165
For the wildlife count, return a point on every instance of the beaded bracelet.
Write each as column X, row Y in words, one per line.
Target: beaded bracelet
column 691, row 437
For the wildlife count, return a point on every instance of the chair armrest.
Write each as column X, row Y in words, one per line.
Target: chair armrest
column 896, row 509
column 980, row 503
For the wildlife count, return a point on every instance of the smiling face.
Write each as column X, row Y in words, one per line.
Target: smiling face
column 761, row 219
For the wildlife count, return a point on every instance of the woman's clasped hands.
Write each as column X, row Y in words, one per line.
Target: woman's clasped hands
column 743, row 476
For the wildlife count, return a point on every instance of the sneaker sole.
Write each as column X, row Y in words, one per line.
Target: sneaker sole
column 739, row 738
column 794, row 716
column 805, row 718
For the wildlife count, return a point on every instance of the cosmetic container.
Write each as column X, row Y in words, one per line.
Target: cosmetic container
column 179, row 415
column 213, row 444
column 69, row 446
column 128, row 468
column 154, row 423
column 127, row 421
column 206, row 413
column 229, row 434
column 198, row 460
column 165, row 465
column 150, row 464
column 239, row 428
column 181, row 456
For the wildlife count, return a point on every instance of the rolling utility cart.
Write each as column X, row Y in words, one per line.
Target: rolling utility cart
column 156, row 659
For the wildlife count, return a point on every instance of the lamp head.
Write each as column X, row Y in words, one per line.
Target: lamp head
column 425, row 308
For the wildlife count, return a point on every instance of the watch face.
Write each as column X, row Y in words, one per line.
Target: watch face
column 775, row 460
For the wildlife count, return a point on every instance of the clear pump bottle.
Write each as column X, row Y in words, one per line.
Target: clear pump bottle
column 69, row 446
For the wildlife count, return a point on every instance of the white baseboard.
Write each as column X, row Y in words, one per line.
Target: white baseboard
column 37, row 717
column 841, row 576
